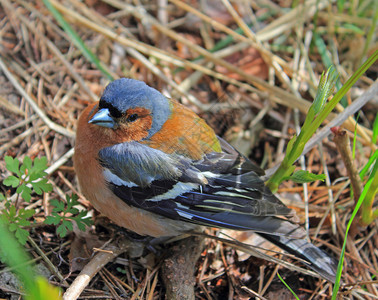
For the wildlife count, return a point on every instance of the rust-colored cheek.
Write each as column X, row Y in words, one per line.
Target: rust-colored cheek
column 100, row 137
column 134, row 131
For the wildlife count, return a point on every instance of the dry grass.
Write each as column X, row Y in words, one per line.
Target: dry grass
column 254, row 92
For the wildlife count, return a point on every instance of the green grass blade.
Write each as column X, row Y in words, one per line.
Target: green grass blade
column 358, row 205
column 375, row 130
column 344, row 89
column 366, row 168
column 287, row 286
column 77, row 40
column 327, row 61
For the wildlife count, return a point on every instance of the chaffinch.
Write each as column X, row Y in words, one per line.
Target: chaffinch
column 153, row 166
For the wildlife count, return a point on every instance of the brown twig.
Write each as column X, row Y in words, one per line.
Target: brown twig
column 343, row 146
column 98, row 261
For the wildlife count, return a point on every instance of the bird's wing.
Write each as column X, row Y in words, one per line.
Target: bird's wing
column 220, row 190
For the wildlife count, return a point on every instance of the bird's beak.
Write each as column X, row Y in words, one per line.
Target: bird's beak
column 103, row 118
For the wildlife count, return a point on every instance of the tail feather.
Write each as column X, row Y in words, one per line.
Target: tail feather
column 315, row 258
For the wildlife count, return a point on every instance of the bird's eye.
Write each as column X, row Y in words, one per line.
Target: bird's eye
column 132, row 118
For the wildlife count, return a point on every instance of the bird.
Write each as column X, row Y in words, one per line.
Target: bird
column 154, row 167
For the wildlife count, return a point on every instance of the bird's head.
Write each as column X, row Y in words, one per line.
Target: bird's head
column 131, row 109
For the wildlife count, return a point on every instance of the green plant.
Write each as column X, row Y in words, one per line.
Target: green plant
column 296, row 144
column 65, row 213
column 28, row 178
column 317, row 113
column 16, row 220
column 371, row 185
column 368, row 213
column 11, row 253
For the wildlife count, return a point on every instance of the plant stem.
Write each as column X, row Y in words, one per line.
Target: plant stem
column 368, row 215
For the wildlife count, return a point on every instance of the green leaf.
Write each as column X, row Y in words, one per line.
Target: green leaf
column 20, row 188
column 52, row 220
column 68, row 224
column 322, row 48
column 27, row 164
column 72, row 210
column 120, row 270
column 33, row 176
column 12, row 227
column 26, row 193
column 80, row 224
column 2, row 197
column 72, row 200
column 55, row 202
column 360, row 201
column 303, row 176
column 7, row 204
column 17, row 221
column 42, row 185
column 61, row 230
column 36, row 188
column 23, row 222
column 40, row 164
column 290, row 144
column 12, row 212
column 22, row 235
column 290, row 170
column 38, row 169
column 83, row 222
column 58, row 205
column 11, row 181
column 26, row 213
column 325, row 89
column 12, row 164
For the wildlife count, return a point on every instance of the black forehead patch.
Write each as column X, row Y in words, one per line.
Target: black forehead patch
column 114, row 112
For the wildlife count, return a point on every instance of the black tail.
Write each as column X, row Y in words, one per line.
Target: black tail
column 316, row 259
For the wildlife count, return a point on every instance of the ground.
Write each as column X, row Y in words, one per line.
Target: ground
column 254, row 88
